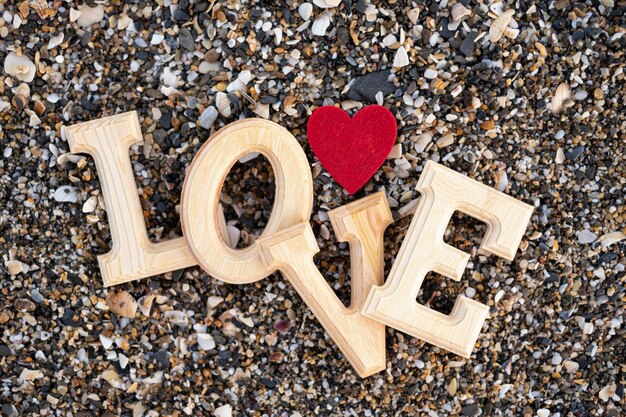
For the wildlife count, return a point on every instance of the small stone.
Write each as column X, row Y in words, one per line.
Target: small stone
column 470, row 410
column 598, row 94
column 556, row 359
column 585, row 236
column 223, row 411
column 575, row 153
column 561, row 94
column 208, row 117
column 9, row 410
column 367, row 86
column 468, row 44
column 186, row 40
column 430, row 73
column 282, row 326
column 543, row 412
column 446, row 140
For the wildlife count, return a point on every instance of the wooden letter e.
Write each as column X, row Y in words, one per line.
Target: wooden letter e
column 423, row 250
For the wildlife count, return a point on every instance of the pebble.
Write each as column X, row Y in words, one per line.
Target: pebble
column 430, row 73
column 401, row 59
column 208, row 117
column 366, row 87
column 585, row 236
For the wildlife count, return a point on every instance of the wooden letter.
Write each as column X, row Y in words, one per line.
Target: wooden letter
column 361, row 223
column 287, row 243
column 423, row 250
column 133, row 255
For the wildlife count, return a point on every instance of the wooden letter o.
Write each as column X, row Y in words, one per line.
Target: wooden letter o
column 201, row 211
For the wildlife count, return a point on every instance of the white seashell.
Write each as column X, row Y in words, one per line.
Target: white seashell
column 278, row 36
column 511, row 33
column 389, row 40
column 107, row 342
column 122, row 303
column 90, row 205
column 234, row 235
column 205, row 341
column 222, row 102
column 611, row 238
column 4, row 105
column 30, row 374
column 23, row 89
column 66, row 194
column 169, row 78
column 498, row 26
column 459, row 12
column 145, row 304
column 123, row 21
column 497, row 8
column 586, row 236
column 74, row 15
column 401, row 59
column 561, row 94
column 305, row 10
column 19, row 66
column 422, row 141
column 56, row 40
column 224, row 411
column 177, row 318
column 327, row 4
column 15, row 267
column 262, row 110
column 90, row 15
column 413, row 15
column 320, row 25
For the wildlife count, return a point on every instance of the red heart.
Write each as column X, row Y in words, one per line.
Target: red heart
column 352, row 150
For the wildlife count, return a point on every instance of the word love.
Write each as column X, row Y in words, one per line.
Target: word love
column 288, row 245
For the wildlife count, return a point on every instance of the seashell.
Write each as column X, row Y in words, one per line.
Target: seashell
column 561, row 94
column 123, row 21
column 30, row 374
column 122, row 304
column 90, row 15
column 22, row 89
column 19, row 66
column 401, row 59
column 90, row 205
column 56, row 40
column 42, row 8
column 327, row 4
column 15, row 267
column 234, row 235
column 4, row 105
column 205, row 341
column 145, row 304
column 502, row 180
column 305, row 10
column 422, row 141
column 459, row 12
column 413, row 15
column 177, row 318
column 19, row 102
column 39, row 107
column 66, row 194
column 497, row 8
column 321, row 25
column 222, row 102
column 74, row 15
column 498, row 26
column 611, row 238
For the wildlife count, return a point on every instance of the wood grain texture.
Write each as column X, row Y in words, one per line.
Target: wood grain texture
column 287, row 243
column 133, row 255
column 200, row 211
column 291, row 251
column 423, row 250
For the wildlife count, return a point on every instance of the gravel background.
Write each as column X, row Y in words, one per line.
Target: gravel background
column 536, row 110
